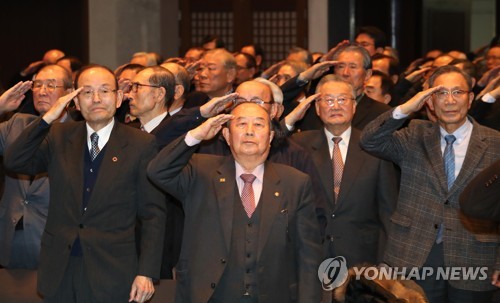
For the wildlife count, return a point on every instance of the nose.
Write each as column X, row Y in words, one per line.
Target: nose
column 250, row 130
column 95, row 97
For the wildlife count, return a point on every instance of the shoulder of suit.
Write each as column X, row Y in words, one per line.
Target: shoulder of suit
column 305, row 136
column 288, row 173
column 486, row 131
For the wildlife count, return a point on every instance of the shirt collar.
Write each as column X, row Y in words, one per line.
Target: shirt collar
column 103, row 133
column 258, row 172
column 346, row 135
column 153, row 123
column 460, row 133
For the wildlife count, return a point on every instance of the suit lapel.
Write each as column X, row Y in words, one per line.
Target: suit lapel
column 74, row 163
column 432, row 143
column 475, row 153
column 114, row 156
column 226, row 191
column 270, row 200
column 321, row 155
column 353, row 164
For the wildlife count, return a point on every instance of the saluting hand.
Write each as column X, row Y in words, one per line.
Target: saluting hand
column 57, row 108
column 208, row 129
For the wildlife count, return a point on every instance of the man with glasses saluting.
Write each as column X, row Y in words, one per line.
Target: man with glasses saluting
column 25, row 200
column 437, row 161
column 99, row 188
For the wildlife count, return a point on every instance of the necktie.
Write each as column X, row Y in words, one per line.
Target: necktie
column 94, row 151
column 338, row 166
column 449, row 159
column 247, row 196
column 449, row 168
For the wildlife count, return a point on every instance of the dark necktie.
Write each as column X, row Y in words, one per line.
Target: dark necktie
column 247, row 195
column 338, row 166
column 94, row 150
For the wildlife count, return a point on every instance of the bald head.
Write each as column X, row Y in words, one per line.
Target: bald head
column 51, row 56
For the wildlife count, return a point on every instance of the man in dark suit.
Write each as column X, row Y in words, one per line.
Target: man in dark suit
column 353, row 64
column 25, row 202
column 99, row 188
column 254, row 240
column 437, row 160
column 481, row 197
column 358, row 210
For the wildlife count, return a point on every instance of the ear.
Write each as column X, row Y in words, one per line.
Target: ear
column 471, row 98
column 379, row 50
column 231, row 75
column 387, row 98
column 430, row 103
column 258, row 60
column 279, row 110
column 395, row 78
column 77, row 103
column 161, row 95
column 226, row 134
column 179, row 91
column 119, row 98
column 316, row 105
column 271, row 136
column 368, row 74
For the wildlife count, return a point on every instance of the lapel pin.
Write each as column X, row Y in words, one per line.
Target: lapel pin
column 222, row 180
column 277, row 194
column 114, row 159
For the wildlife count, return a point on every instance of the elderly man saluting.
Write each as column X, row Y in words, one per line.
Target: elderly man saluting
column 251, row 233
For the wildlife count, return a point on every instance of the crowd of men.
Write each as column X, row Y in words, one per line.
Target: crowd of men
column 237, row 181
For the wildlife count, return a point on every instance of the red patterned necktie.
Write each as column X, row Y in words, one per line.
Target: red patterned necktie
column 247, row 196
column 338, row 166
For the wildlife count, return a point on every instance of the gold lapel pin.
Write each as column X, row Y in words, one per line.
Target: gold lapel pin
column 114, row 159
column 222, row 180
column 277, row 194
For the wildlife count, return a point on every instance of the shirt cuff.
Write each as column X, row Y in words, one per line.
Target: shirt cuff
column 397, row 114
column 488, row 98
column 289, row 127
column 43, row 124
column 190, row 140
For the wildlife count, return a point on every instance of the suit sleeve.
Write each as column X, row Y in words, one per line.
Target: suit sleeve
column 308, row 247
column 381, row 138
column 152, row 215
column 29, row 153
column 170, row 169
column 387, row 196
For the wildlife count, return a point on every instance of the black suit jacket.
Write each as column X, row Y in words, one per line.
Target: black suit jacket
column 481, row 197
column 289, row 250
column 358, row 220
column 106, row 230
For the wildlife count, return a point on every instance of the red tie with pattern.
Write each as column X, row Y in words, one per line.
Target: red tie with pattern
column 338, row 166
column 247, row 196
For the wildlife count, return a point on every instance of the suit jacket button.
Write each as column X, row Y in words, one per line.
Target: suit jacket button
column 81, row 226
column 436, row 226
column 223, row 261
column 69, row 247
column 212, row 285
column 333, row 216
column 447, row 202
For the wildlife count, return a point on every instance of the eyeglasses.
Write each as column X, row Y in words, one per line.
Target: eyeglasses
column 103, row 93
column 330, row 100
column 135, row 86
column 455, row 94
column 50, row 86
column 255, row 100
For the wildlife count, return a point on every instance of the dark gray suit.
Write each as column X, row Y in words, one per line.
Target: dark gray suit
column 288, row 250
column 357, row 221
column 106, row 230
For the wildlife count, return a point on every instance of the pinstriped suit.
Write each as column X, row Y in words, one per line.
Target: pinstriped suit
column 424, row 200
